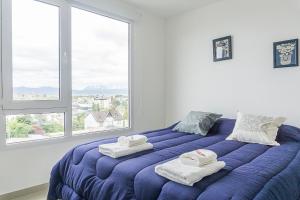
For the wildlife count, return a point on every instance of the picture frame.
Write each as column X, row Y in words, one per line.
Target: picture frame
column 286, row 53
column 222, row 48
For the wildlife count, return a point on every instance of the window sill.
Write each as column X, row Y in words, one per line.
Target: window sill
column 85, row 136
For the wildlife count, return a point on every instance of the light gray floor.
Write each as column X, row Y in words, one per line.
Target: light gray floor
column 40, row 195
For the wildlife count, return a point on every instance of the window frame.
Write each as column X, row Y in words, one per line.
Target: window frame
column 64, row 104
column 35, row 111
column 130, row 57
column 8, row 101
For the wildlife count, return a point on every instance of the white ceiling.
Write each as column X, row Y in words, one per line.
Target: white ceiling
column 167, row 8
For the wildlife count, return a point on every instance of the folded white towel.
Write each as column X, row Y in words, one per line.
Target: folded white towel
column 133, row 140
column 198, row 157
column 115, row 150
column 187, row 175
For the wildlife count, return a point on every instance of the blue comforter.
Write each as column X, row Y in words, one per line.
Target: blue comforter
column 252, row 171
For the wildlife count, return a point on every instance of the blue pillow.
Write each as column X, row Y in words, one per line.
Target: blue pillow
column 197, row 122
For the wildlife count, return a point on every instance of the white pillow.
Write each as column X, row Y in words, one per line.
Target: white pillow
column 256, row 129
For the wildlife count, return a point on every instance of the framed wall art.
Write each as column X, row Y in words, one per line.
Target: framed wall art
column 286, row 53
column 222, row 48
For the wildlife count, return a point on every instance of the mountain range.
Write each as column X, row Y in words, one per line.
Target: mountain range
column 90, row 90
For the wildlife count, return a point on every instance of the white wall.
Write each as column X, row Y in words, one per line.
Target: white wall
column 248, row 82
column 26, row 167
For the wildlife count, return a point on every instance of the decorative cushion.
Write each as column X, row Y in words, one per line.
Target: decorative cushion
column 197, row 122
column 256, row 129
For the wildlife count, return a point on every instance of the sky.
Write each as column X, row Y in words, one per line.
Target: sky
column 99, row 47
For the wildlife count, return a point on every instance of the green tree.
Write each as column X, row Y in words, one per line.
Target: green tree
column 53, row 127
column 78, row 122
column 18, row 128
column 24, row 119
column 125, row 115
column 115, row 103
column 96, row 107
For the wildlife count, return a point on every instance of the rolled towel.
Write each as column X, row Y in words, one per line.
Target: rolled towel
column 175, row 171
column 198, row 157
column 116, row 150
column 133, row 140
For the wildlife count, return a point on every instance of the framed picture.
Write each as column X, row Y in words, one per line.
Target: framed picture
column 222, row 48
column 286, row 53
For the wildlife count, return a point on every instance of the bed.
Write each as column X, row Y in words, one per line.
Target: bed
column 252, row 171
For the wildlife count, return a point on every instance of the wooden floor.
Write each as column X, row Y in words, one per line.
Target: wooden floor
column 37, row 195
column 40, row 195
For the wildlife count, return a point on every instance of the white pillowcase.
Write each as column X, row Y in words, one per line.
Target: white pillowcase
column 256, row 129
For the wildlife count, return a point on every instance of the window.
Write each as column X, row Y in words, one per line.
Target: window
column 99, row 72
column 35, row 50
column 34, row 60
column 65, row 71
column 20, row 128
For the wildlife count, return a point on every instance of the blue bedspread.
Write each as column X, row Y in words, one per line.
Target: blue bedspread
column 252, row 171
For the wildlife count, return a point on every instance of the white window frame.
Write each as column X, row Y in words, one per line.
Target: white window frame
column 8, row 102
column 8, row 106
column 36, row 111
column 130, row 58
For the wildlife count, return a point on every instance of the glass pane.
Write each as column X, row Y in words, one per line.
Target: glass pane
column 100, row 72
column 35, row 50
column 21, row 128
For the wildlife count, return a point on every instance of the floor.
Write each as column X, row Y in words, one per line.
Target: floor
column 40, row 195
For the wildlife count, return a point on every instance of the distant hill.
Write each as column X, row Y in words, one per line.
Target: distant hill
column 84, row 92
column 40, row 90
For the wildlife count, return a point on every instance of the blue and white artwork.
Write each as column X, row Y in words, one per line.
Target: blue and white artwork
column 222, row 48
column 286, row 53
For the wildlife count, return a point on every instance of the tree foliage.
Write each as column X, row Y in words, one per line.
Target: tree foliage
column 95, row 107
column 19, row 127
column 78, row 122
column 53, row 127
column 115, row 103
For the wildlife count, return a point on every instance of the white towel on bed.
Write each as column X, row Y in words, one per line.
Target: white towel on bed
column 132, row 140
column 175, row 171
column 198, row 157
column 116, row 150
